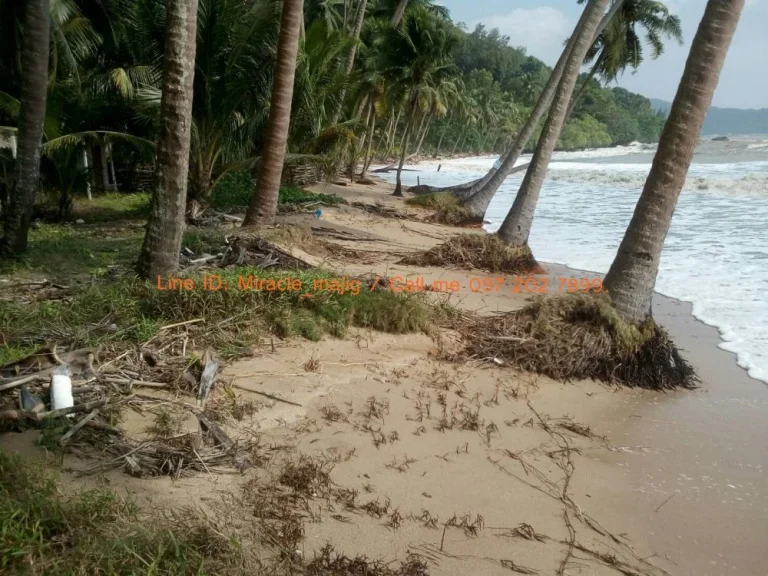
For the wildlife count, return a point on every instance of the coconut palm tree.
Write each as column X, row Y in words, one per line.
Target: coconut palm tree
column 30, row 129
column 399, row 11
column 416, row 59
column 264, row 202
column 162, row 241
column 620, row 46
column 517, row 224
column 632, row 276
column 485, row 188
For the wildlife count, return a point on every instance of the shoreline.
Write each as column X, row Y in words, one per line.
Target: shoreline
column 689, row 305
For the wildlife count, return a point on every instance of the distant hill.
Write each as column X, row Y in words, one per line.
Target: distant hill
column 727, row 120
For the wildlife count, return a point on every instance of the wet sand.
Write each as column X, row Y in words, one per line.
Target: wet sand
column 694, row 461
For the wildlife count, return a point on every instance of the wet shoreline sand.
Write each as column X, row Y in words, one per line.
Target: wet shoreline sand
column 696, row 460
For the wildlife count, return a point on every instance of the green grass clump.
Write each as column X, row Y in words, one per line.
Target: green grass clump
column 139, row 309
column 112, row 206
column 62, row 251
column 436, row 200
column 236, row 188
column 96, row 532
column 293, row 195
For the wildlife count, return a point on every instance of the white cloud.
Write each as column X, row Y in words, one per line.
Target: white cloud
column 541, row 30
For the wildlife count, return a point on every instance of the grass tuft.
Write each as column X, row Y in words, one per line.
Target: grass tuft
column 138, row 309
column 97, row 532
column 477, row 251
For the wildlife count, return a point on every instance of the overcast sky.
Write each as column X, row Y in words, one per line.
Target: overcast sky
column 542, row 26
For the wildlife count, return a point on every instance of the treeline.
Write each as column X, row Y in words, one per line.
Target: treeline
column 505, row 83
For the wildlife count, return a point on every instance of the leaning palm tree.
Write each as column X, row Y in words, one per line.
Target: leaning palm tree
column 162, row 242
column 616, row 46
column 30, row 130
column 263, row 206
column 517, row 224
column 485, row 188
column 399, row 11
column 632, row 276
column 620, row 46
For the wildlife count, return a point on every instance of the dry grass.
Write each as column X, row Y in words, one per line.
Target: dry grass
column 477, row 251
column 576, row 337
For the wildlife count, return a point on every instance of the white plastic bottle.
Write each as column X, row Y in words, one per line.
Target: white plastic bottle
column 61, row 388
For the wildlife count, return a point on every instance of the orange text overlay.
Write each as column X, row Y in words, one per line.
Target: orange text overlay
column 215, row 283
column 346, row 285
column 498, row 284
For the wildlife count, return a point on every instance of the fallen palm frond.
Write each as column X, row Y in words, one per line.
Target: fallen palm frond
column 580, row 336
column 477, row 251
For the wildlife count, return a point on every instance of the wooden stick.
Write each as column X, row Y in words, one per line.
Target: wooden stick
column 72, row 431
column 24, row 379
column 134, row 382
column 76, row 409
column 169, row 326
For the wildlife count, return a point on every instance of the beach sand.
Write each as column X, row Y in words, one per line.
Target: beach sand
column 482, row 469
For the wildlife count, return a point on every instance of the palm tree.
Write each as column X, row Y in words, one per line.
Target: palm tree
column 30, row 132
column 416, row 59
column 264, row 202
column 517, row 224
column 632, row 276
column 162, row 242
column 399, row 11
column 619, row 46
column 350, row 64
column 485, row 188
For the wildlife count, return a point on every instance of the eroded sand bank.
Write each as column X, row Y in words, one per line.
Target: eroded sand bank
column 481, row 469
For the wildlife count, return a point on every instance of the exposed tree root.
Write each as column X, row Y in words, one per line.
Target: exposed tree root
column 580, row 336
column 478, row 251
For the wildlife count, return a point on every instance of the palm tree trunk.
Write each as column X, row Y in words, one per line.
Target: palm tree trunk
column 442, row 135
column 264, row 202
column 404, row 148
column 495, row 140
column 371, row 130
column 632, row 276
column 393, row 135
column 489, row 184
column 111, row 165
column 162, row 242
column 359, row 19
column 517, row 225
column 33, row 98
column 583, row 88
column 399, row 11
column 421, row 132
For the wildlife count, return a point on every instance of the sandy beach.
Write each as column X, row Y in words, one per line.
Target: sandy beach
column 479, row 468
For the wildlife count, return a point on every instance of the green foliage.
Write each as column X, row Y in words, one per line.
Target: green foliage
column 584, row 132
column 98, row 532
column 293, row 195
column 139, row 308
column 434, row 201
column 234, row 190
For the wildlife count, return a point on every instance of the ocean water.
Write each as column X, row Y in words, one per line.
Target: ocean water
column 716, row 252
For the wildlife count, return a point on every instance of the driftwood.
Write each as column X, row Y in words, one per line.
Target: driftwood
column 208, row 377
column 242, row 462
column 72, row 431
column 28, row 415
